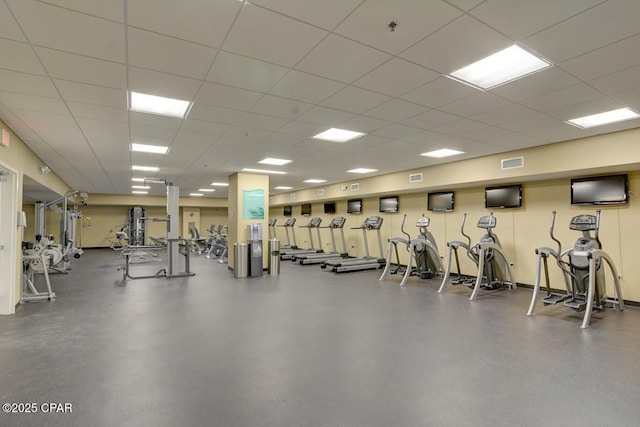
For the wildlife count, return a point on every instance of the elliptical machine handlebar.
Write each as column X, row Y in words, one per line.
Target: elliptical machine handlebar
column 597, row 231
column 464, row 219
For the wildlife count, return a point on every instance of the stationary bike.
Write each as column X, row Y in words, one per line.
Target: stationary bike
column 582, row 270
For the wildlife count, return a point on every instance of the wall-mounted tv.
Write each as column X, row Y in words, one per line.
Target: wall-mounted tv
column 440, row 202
column 330, row 207
column 508, row 196
column 354, row 206
column 600, row 190
column 287, row 210
column 305, row 209
column 388, row 204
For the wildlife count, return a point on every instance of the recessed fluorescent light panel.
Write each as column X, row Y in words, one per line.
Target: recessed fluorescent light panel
column 196, row 194
column 207, row 190
column 152, row 104
column 144, row 168
column 264, row 171
column 315, row 181
column 137, row 179
column 507, row 65
column 139, row 192
column 140, row 187
column 282, row 187
column 220, row 184
column 143, row 148
column 444, row 152
column 605, row 118
column 338, row 135
column 276, row 162
column 362, row 170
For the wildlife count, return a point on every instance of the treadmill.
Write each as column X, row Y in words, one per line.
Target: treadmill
column 288, row 224
column 291, row 253
column 319, row 258
column 366, row 262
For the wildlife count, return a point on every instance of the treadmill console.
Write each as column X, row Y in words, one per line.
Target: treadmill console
column 583, row 223
column 290, row 222
column 487, row 222
column 315, row 222
column 373, row 223
column 272, row 222
column 337, row 222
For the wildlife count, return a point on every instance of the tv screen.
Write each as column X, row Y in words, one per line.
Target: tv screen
column 600, row 190
column 440, row 202
column 354, row 206
column 305, row 209
column 388, row 204
column 509, row 196
column 330, row 208
column 287, row 211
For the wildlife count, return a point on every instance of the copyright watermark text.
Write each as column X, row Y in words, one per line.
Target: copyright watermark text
column 33, row 408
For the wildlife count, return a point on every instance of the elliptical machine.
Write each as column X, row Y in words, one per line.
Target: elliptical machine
column 494, row 270
column 582, row 270
column 423, row 250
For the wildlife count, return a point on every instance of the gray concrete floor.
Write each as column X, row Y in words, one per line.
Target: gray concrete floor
column 310, row 348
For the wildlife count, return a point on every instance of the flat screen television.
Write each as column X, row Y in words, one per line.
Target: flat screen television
column 440, row 202
column 305, row 209
column 388, row 204
column 330, row 207
column 354, row 206
column 508, row 196
column 286, row 211
column 600, row 190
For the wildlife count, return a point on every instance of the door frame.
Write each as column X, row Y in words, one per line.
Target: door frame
column 8, row 239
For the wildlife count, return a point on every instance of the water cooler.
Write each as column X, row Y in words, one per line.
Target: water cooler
column 255, row 250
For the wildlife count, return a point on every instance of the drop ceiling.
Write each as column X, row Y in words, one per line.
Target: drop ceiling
column 265, row 76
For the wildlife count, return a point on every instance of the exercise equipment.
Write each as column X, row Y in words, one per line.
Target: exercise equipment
column 272, row 228
column 288, row 225
column 336, row 223
column 218, row 245
column 291, row 253
column 35, row 261
column 366, row 262
column 494, row 270
column 582, row 270
column 423, row 250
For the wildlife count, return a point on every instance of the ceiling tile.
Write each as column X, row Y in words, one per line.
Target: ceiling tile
column 618, row 82
column 537, row 84
column 40, row 104
column 63, row 29
column 355, row 59
column 13, row 81
column 396, row 110
column 99, row 125
column 92, row 94
column 460, row 127
column 562, row 98
column 416, row 19
column 162, row 84
column 227, row 96
column 107, row 9
column 18, row 56
column 397, row 131
column 9, row 28
column 306, row 130
column 519, row 19
column 439, row 92
column 480, row 102
column 431, row 119
column 305, row 87
column 176, row 56
column 204, row 127
column 164, row 123
column 205, row 22
column 460, row 43
column 260, row 121
column 326, row 14
column 355, row 100
column 98, row 112
column 630, row 99
column 325, row 116
column 246, row 73
column 591, row 106
column 214, row 114
column 597, row 27
column 363, row 124
column 262, row 34
column 396, row 77
column 279, row 107
column 67, row 66
column 505, row 114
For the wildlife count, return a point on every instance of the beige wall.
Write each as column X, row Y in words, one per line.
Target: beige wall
column 519, row 230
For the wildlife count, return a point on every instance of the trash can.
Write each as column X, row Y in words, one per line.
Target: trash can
column 240, row 260
column 274, row 256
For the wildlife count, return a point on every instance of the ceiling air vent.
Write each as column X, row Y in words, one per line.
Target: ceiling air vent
column 415, row 177
column 355, row 187
column 513, row 163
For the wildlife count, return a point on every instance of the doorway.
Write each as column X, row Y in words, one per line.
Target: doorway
column 8, row 239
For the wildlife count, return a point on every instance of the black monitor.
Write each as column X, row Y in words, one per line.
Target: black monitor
column 600, row 190
column 287, row 210
column 508, row 196
column 330, row 207
column 354, row 206
column 305, row 209
column 440, row 202
column 388, row 204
